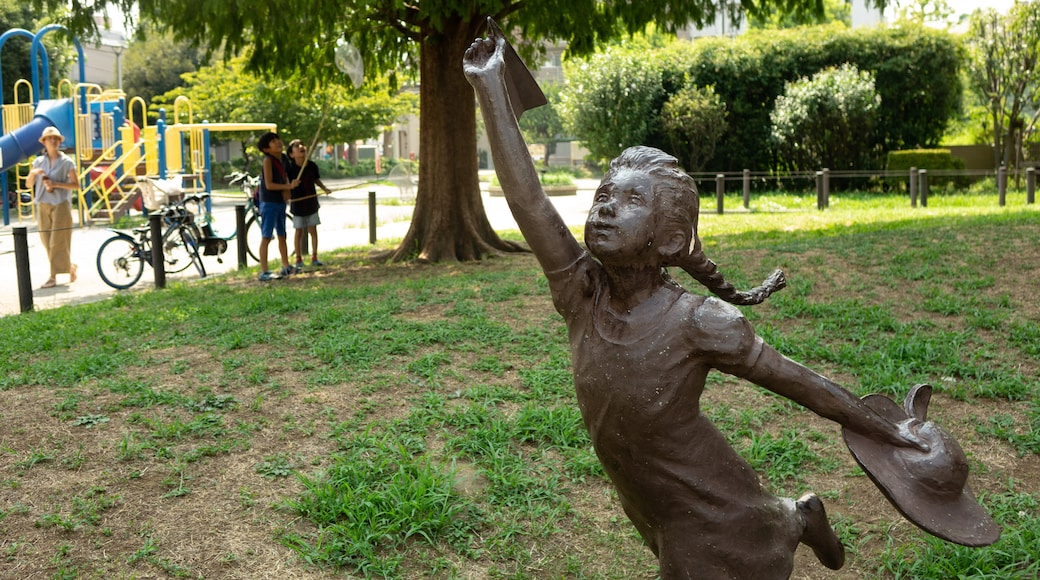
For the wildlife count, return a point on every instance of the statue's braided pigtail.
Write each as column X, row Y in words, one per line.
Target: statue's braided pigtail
column 706, row 272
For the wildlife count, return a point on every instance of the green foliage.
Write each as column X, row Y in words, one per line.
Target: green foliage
column 827, row 121
column 226, row 92
column 924, row 11
column 1004, row 67
column 16, row 51
column 543, row 124
column 554, row 177
column 772, row 18
column 375, row 498
column 613, row 101
column 155, row 62
column 749, row 72
column 1013, row 556
column 693, row 120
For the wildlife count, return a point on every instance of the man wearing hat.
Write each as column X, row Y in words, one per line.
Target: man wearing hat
column 53, row 178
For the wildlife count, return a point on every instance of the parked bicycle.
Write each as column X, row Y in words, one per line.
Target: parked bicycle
column 248, row 184
column 121, row 258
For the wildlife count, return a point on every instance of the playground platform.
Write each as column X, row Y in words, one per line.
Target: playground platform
column 344, row 216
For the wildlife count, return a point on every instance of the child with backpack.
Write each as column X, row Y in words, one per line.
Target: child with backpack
column 275, row 189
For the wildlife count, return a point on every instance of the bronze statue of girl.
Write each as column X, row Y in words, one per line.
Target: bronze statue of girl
column 642, row 347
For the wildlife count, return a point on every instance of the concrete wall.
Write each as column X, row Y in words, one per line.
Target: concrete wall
column 979, row 157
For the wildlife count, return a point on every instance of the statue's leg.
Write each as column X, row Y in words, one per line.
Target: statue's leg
column 818, row 534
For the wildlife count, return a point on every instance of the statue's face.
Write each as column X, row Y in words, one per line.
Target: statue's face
column 621, row 221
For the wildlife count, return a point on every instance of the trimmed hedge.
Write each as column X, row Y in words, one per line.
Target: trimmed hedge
column 930, row 159
column 614, row 99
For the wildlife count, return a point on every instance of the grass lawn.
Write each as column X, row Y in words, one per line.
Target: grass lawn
column 407, row 421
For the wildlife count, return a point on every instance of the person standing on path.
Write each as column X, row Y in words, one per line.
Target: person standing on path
column 304, row 202
column 53, row 177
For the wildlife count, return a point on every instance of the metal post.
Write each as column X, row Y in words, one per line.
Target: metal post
column 240, row 235
column 826, row 187
column 720, row 192
column 21, row 261
column 158, row 263
column 1031, row 185
column 913, row 187
column 923, row 175
column 1002, row 185
column 371, row 217
column 819, row 190
column 747, row 189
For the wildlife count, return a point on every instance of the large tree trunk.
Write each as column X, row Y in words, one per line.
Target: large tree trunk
column 449, row 222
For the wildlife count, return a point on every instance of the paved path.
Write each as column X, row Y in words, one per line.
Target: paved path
column 344, row 217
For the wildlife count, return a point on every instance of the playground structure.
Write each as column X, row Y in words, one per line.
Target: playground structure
column 114, row 147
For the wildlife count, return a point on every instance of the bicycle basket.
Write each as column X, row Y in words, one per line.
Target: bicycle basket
column 157, row 193
column 153, row 198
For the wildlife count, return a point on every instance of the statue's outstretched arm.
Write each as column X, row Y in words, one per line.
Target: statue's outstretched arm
column 826, row 398
column 542, row 226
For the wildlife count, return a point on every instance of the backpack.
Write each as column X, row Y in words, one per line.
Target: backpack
column 281, row 171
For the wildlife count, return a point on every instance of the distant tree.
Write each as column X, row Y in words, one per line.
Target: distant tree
column 544, row 125
column 832, row 11
column 924, row 11
column 827, row 121
column 693, row 120
column 228, row 93
column 15, row 55
column 1005, row 68
column 17, row 50
column 154, row 62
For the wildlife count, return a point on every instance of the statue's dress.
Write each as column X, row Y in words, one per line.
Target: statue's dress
column 639, row 376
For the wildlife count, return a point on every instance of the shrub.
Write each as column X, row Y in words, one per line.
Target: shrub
column 612, row 101
column 693, row 120
column 827, row 121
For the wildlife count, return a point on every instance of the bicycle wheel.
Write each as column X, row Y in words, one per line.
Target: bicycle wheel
column 253, row 237
column 120, row 262
column 191, row 243
column 176, row 256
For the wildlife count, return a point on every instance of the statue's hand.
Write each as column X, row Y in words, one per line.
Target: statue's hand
column 909, row 435
column 912, row 430
column 485, row 55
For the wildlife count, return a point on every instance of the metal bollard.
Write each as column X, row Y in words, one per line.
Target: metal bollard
column 1002, row 186
column 1031, row 185
column 21, row 261
column 158, row 262
column 747, row 189
column 819, row 190
column 720, row 192
column 913, row 187
column 240, row 235
column 371, row 217
column 826, row 187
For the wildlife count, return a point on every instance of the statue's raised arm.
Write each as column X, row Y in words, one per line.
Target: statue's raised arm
column 487, row 67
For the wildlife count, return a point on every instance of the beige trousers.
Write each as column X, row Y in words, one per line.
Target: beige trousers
column 55, row 223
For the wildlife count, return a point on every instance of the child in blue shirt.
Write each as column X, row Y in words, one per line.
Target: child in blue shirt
column 275, row 188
